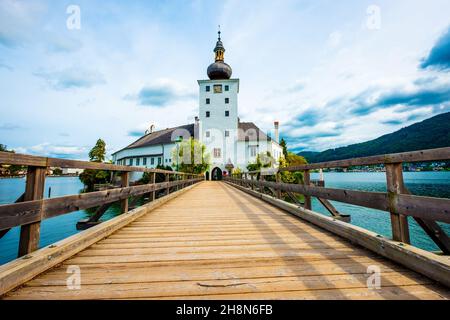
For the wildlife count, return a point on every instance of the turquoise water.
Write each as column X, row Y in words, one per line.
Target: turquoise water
column 436, row 184
column 52, row 230
column 432, row 184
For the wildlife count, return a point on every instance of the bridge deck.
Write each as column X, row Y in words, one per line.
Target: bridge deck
column 217, row 242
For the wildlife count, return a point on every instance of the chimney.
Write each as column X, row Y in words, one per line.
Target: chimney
column 277, row 133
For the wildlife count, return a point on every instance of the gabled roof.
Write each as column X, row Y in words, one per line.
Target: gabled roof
column 248, row 131
column 160, row 137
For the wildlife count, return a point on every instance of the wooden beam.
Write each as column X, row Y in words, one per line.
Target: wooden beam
column 27, row 160
column 430, row 208
column 34, row 190
column 153, row 182
column 414, row 156
column 167, row 179
column 278, row 180
column 399, row 222
column 12, row 215
column 125, row 182
column 307, row 182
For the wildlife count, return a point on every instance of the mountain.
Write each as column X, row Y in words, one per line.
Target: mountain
column 428, row 134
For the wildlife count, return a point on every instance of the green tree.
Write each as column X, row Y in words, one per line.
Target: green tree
column 13, row 169
column 98, row 152
column 90, row 177
column 283, row 144
column 263, row 160
column 191, row 157
column 57, row 171
column 160, row 177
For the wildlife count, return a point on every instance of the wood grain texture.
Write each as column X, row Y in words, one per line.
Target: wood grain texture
column 216, row 242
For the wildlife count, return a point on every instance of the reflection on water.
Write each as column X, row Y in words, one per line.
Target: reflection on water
column 436, row 184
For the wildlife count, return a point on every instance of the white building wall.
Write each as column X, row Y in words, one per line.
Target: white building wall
column 142, row 157
column 218, row 123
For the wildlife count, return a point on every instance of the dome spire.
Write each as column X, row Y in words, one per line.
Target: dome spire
column 219, row 70
column 219, row 49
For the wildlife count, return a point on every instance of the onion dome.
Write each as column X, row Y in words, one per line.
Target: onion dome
column 219, row 70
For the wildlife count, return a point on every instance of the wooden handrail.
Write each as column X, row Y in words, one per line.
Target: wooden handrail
column 437, row 209
column 397, row 200
column 36, row 161
column 440, row 154
column 21, row 213
column 30, row 209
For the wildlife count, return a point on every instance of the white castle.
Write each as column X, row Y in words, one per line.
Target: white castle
column 230, row 143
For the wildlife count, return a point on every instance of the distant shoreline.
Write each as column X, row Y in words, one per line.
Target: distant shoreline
column 24, row 176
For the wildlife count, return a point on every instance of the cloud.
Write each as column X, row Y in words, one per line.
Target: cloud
column 55, row 151
column 17, row 19
column 9, row 126
column 372, row 100
column 335, row 39
column 60, row 44
column 6, row 66
column 160, row 94
column 439, row 56
column 71, row 78
column 307, row 118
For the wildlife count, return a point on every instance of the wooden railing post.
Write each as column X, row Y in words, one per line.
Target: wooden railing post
column 125, row 182
column 261, row 179
column 278, row 180
column 307, row 182
column 34, row 190
column 399, row 222
column 153, row 181
column 252, row 183
column 168, row 181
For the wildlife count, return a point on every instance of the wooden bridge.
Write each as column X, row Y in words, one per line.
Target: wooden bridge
column 235, row 239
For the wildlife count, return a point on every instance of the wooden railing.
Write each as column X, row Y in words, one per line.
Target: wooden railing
column 398, row 201
column 31, row 208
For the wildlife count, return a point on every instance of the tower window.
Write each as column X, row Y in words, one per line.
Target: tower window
column 138, row 161
column 130, row 162
column 217, row 88
column 227, row 100
column 208, row 88
column 227, row 88
column 227, row 113
column 152, row 161
column 144, row 161
column 208, row 114
column 208, row 101
column 208, row 134
column 227, row 133
column 217, row 152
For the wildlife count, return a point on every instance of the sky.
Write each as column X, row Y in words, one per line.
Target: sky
column 332, row 72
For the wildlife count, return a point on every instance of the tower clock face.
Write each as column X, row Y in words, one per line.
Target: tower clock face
column 217, row 88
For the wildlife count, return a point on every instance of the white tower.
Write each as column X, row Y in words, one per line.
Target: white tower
column 218, row 112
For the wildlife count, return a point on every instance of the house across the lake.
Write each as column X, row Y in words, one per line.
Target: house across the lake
column 230, row 142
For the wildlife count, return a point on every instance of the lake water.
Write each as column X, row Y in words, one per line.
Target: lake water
column 436, row 184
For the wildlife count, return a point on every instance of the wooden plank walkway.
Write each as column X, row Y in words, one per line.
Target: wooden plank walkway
column 216, row 242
